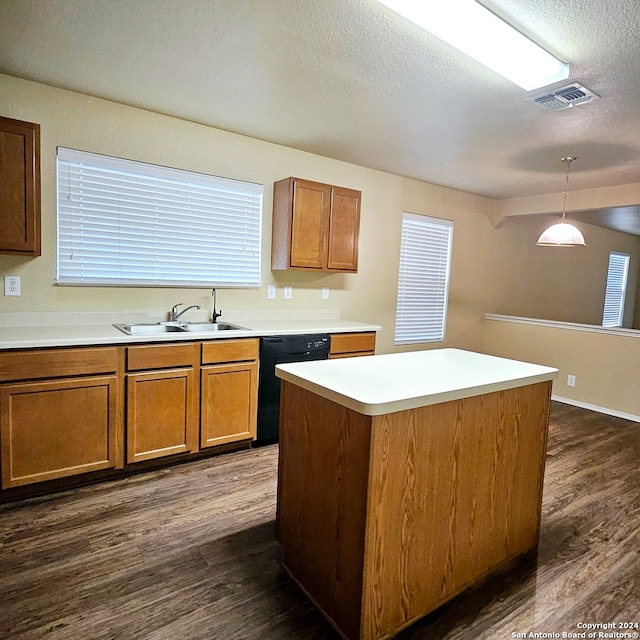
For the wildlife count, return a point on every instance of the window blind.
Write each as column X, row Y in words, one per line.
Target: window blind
column 423, row 280
column 122, row 222
column 613, row 313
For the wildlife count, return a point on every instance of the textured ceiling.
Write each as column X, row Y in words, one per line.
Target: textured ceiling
column 351, row 80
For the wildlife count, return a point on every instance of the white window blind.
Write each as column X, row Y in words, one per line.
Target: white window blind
column 122, row 222
column 423, row 281
column 616, row 287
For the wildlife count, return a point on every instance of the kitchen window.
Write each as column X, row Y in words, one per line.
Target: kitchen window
column 423, row 280
column 613, row 313
column 126, row 223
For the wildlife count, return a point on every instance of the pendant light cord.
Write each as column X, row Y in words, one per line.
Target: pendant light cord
column 568, row 160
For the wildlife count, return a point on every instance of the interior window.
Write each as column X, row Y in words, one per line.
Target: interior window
column 613, row 313
column 423, row 280
column 122, row 222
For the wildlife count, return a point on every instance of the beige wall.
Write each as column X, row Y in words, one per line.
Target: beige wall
column 636, row 312
column 577, row 200
column 606, row 365
column 73, row 120
column 557, row 284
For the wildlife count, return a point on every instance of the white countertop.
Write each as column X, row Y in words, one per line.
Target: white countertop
column 25, row 337
column 375, row 385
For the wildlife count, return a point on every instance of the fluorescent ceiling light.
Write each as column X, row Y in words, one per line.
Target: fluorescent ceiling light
column 474, row 30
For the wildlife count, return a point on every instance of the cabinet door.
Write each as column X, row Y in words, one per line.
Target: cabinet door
column 162, row 414
column 19, row 187
column 229, row 395
column 55, row 429
column 344, row 229
column 310, row 220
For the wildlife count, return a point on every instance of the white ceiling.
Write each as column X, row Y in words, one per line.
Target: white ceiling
column 351, row 80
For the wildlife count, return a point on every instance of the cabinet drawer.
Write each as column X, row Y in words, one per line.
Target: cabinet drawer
column 56, row 363
column 162, row 356
column 230, row 351
column 353, row 343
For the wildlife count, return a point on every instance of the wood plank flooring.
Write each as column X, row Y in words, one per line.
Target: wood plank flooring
column 188, row 553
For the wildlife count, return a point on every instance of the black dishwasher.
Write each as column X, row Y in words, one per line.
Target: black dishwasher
column 278, row 350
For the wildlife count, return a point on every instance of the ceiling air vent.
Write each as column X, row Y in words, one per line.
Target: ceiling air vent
column 563, row 98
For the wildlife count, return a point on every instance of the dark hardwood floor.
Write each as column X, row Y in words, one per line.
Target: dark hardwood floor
column 187, row 553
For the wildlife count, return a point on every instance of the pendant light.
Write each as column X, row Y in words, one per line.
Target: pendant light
column 562, row 234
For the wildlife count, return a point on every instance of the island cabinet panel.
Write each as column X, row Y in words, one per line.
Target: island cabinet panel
column 162, row 414
column 423, row 503
column 456, row 491
column 348, row 345
column 19, row 187
column 322, row 496
column 315, row 226
column 59, row 428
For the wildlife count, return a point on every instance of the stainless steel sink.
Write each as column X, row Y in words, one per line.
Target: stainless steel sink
column 175, row 327
column 210, row 326
column 147, row 329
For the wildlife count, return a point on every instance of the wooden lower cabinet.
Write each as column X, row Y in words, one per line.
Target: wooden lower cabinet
column 228, row 399
column 349, row 345
column 57, row 428
column 229, row 391
column 66, row 412
column 162, row 414
column 170, row 411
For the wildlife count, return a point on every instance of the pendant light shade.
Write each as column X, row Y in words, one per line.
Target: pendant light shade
column 562, row 234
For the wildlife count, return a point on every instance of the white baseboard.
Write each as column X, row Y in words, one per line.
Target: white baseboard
column 593, row 407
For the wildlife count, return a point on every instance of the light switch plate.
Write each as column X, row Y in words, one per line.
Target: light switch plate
column 288, row 292
column 325, row 293
column 271, row 292
column 12, row 285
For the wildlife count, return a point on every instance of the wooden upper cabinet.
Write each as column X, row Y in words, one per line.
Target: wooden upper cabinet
column 19, row 187
column 315, row 226
column 344, row 228
column 310, row 216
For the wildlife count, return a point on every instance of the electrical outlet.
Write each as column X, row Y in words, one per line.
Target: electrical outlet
column 288, row 292
column 325, row 293
column 12, row 285
column 271, row 292
column 571, row 381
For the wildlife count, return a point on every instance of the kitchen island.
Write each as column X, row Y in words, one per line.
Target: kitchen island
column 406, row 478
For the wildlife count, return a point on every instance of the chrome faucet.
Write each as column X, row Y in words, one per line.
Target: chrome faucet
column 174, row 315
